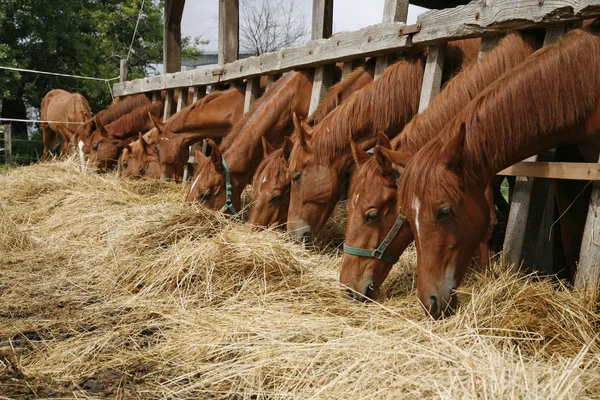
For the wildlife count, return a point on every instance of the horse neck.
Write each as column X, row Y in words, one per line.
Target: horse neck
column 461, row 89
column 134, row 122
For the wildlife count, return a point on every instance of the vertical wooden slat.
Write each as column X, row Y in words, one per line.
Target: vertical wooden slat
column 172, row 36
column 588, row 269
column 123, row 71
column 322, row 81
column 527, row 204
column 155, row 96
column 229, row 25
column 168, row 104
column 252, row 86
column 349, row 66
column 322, row 19
column 182, row 98
column 199, row 92
column 393, row 11
column 432, row 77
column 271, row 79
column 7, row 144
column 487, row 44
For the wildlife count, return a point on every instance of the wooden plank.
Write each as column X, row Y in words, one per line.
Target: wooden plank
column 123, row 72
column 7, row 144
column 381, row 65
column 588, row 269
column 182, row 98
column 555, row 170
column 488, row 44
column 432, row 77
column 168, row 105
column 349, row 66
column 172, row 36
column 229, row 28
column 252, row 87
column 321, row 83
column 199, row 92
column 322, row 19
column 395, row 10
column 483, row 18
column 271, row 79
column 369, row 41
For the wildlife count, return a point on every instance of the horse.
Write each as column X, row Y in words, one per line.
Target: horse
column 321, row 158
column 372, row 209
column 220, row 179
column 139, row 159
column 63, row 112
column 499, row 127
column 210, row 117
column 272, row 182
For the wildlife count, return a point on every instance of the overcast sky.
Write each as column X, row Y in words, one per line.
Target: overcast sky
column 200, row 17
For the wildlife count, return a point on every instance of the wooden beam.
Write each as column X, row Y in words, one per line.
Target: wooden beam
column 432, row 78
column 229, row 31
column 588, row 269
column 555, row 170
column 322, row 19
column 483, row 18
column 322, row 81
column 172, row 36
column 252, row 87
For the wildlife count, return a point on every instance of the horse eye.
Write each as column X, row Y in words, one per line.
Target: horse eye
column 371, row 215
column 443, row 212
column 276, row 196
column 125, row 163
column 156, row 148
column 95, row 147
column 296, row 176
column 205, row 196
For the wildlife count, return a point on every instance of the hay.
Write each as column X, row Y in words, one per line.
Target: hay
column 117, row 289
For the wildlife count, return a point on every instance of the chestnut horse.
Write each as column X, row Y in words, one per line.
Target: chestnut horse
column 139, row 158
column 321, row 157
column 65, row 113
column 449, row 215
column 210, row 117
column 220, row 179
column 272, row 182
column 372, row 209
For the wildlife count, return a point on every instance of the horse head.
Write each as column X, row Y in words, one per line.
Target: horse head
column 139, row 158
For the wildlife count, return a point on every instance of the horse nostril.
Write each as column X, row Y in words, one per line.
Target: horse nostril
column 434, row 306
column 350, row 293
column 142, row 171
column 370, row 292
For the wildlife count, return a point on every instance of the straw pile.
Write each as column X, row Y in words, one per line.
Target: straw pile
column 116, row 289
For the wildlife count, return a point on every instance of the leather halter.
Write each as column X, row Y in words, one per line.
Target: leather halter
column 228, row 190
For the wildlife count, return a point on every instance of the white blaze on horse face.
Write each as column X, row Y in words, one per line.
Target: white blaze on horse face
column 355, row 201
column 195, row 182
column 416, row 209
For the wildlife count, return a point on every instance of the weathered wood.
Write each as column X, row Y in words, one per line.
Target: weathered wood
column 483, row 18
column 199, row 92
column 155, row 96
column 321, row 83
column 182, row 98
column 349, row 66
column 7, row 144
column 588, row 269
column 555, row 170
column 271, row 79
column 381, row 65
column 395, row 10
column 229, row 27
column 172, row 36
column 488, row 44
column 322, row 19
column 123, row 72
column 432, row 77
column 168, row 105
column 372, row 40
column 252, row 86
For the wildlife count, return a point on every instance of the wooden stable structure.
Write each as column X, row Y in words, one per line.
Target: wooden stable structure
column 479, row 18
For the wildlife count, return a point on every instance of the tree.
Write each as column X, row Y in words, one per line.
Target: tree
column 271, row 25
column 84, row 37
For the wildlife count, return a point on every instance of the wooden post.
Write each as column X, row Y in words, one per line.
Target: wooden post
column 7, row 144
column 322, row 19
column 432, row 78
column 527, row 204
column 172, row 36
column 252, row 86
column 393, row 11
column 588, row 269
column 123, row 71
column 168, row 104
column 229, row 26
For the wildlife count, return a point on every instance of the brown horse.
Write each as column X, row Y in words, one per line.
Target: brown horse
column 139, row 159
column 241, row 151
column 372, row 208
column 272, row 178
column 449, row 215
column 65, row 113
column 321, row 158
column 210, row 117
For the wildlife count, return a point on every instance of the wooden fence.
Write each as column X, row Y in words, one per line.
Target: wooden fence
column 480, row 18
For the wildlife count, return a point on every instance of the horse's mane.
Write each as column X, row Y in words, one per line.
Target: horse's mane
column 554, row 89
column 117, row 110
column 461, row 89
column 133, row 122
column 177, row 121
column 334, row 96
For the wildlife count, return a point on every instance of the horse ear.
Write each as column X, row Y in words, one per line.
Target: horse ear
column 267, row 148
column 199, row 154
column 288, row 145
column 215, row 155
column 102, row 130
column 158, row 124
column 302, row 133
column 127, row 146
column 143, row 142
column 93, row 124
column 400, row 158
column 360, row 156
column 452, row 152
column 383, row 141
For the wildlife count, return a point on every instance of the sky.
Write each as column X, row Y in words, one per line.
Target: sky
column 200, row 17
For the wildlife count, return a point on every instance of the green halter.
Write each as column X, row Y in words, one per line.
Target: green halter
column 379, row 253
column 228, row 190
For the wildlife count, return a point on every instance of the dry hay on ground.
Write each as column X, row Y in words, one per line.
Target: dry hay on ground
column 116, row 289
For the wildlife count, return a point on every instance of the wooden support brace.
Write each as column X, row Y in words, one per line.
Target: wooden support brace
column 321, row 83
column 432, row 78
column 252, row 86
column 168, row 104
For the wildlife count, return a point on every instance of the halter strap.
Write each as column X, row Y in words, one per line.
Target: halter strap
column 228, row 190
column 379, row 253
